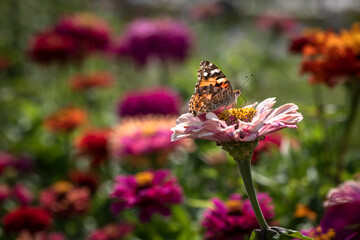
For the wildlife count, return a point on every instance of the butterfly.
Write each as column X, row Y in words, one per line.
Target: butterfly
column 212, row 91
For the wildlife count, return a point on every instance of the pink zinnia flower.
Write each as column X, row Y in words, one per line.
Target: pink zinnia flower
column 278, row 22
column 140, row 139
column 235, row 218
column 238, row 125
column 342, row 211
column 151, row 192
column 22, row 194
column 63, row 199
column 111, row 231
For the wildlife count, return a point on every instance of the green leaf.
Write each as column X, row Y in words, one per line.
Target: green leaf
column 291, row 233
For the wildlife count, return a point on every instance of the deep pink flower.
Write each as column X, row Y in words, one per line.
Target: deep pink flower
column 111, row 231
column 19, row 163
column 235, row 218
column 342, row 211
column 4, row 192
column 89, row 32
column 163, row 101
column 84, row 179
column 151, row 192
column 63, row 199
column 164, row 39
column 22, row 194
column 33, row 219
column 239, row 125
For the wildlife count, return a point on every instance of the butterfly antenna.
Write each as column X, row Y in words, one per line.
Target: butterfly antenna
column 247, row 78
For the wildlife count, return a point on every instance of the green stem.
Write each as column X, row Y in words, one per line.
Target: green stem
column 355, row 97
column 245, row 171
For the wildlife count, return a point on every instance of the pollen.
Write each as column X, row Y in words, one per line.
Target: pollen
column 144, row 179
column 62, row 186
column 243, row 114
column 234, row 206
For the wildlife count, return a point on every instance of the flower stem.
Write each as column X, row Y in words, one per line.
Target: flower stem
column 355, row 97
column 245, row 171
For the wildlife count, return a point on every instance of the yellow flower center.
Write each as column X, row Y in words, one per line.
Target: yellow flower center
column 243, row 114
column 318, row 235
column 234, row 205
column 304, row 211
column 62, row 186
column 144, row 179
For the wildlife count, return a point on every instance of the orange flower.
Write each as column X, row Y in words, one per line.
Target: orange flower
column 65, row 119
column 303, row 211
column 91, row 80
column 332, row 57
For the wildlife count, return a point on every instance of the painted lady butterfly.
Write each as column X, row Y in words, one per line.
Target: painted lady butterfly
column 212, row 91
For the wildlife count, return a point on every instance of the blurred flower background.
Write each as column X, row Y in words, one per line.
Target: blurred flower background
column 89, row 91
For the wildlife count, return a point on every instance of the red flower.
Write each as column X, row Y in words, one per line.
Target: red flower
column 49, row 46
column 94, row 143
column 271, row 141
column 91, row 80
column 84, row 179
column 33, row 219
column 90, row 32
column 65, row 120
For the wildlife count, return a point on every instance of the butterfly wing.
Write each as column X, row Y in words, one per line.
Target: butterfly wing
column 212, row 91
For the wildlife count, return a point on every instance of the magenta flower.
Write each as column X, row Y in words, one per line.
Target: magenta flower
column 164, row 39
column 342, row 211
column 18, row 163
column 151, row 192
column 237, row 125
column 163, row 101
column 111, row 232
column 235, row 218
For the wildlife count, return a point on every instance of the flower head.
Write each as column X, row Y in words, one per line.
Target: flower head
column 64, row 199
column 237, row 125
column 33, row 219
column 65, row 119
column 144, row 136
column 342, row 210
column 84, row 179
column 94, row 143
column 111, row 231
column 164, row 39
column 235, row 218
column 331, row 57
column 276, row 21
column 81, row 82
column 163, row 101
column 90, row 32
column 48, row 47
column 26, row 235
column 151, row 192
column 318, row 234
column 22, row 194
column 11, row 161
